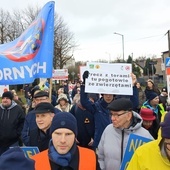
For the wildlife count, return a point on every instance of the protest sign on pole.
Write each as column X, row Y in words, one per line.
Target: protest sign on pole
column 133, row 143
column 60, row 74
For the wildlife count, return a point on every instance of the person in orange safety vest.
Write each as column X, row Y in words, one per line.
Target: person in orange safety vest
column 63, row 153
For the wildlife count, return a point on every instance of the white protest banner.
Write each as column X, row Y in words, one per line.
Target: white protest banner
column 60, row 74
column 107, row 78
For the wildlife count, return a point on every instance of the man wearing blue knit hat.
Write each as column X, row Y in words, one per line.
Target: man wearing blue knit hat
column 63, row 153
column 14, row 158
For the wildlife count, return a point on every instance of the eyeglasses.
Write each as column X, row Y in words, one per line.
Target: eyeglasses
column 118, row 115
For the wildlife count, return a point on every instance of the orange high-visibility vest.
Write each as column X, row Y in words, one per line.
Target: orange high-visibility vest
column 87, row 160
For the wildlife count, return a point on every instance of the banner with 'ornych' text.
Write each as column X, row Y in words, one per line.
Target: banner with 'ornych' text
column 30, row 56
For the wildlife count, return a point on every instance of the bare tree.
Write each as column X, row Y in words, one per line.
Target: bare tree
column 64, row 43
column 5, row 26
column 12, row 26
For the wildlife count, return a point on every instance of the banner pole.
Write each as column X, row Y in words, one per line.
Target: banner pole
column 50, row 89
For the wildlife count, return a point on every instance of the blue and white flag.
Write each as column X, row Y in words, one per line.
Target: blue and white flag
column 31, row 55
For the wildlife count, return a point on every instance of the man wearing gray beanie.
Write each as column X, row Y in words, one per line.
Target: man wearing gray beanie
column 63, row 153
column 156, row 154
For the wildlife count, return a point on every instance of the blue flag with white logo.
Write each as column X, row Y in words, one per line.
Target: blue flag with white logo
column 30, row 56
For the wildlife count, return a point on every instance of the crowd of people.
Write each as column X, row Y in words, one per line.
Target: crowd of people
column 75, row 130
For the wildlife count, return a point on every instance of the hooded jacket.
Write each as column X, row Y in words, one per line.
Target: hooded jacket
column 158, row 111
column 113, row 143
column 11, row 124
column 101, row 113
column 149, row 156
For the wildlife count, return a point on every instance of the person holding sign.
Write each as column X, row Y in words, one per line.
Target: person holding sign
column 115, row 137
column 99, row 108
column 156, row 154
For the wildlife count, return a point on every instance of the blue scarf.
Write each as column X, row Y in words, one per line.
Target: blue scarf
column 60, row 159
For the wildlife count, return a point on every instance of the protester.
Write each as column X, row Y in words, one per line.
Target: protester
column 75, row 89
column 85, row 123
column 40, row 136
column 63, row 153
column 63, row 103
column 153, row 104
column 114, row 139
column 33, row 103
column 19, row 102
column 27, row 94
column 30, row 120
column 99, row 108
column 11, row 122
column 14, row 158
column 163, row 97
column 53, row 97
column 149, row 121
column 150, row 88
column 156, row 154
column 141, row 95
column 65, row 87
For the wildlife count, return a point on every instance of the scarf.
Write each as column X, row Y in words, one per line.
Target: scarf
column 60, row 159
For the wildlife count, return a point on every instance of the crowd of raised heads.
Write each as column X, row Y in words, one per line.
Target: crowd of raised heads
column 64, row 97
column 77, row 130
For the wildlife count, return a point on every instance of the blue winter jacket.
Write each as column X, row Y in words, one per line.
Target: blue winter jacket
column 30, row 124
column 101, row 113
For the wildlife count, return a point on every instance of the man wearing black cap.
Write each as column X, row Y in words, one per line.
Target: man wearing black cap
column 11, row 122
column 156, row 154
column 153, row 104
column 63, row 153
column 115, row 137
column 99, row 108
column 40, row 135
column 30, row 123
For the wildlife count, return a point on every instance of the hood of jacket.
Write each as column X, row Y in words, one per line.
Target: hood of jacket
column 136, row 122
column 13, row 104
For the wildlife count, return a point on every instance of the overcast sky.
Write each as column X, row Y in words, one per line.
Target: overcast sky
column 143, row 23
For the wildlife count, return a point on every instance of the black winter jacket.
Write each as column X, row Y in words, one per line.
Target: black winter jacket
column 11, row 124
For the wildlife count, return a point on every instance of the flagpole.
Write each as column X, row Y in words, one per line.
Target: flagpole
column 50, row 89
